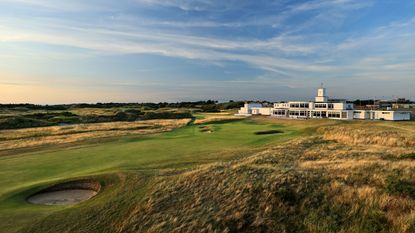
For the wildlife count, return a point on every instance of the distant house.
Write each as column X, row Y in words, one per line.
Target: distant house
column 322, row 107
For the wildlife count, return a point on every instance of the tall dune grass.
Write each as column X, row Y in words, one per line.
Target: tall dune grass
column 306, row 185
column 367, row 135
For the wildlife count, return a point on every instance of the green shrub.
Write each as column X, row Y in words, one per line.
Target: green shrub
column 166, row 115
column 95, row 118
column 210, row 108
column 65, row 120
column 133, row 111
column 20, row 122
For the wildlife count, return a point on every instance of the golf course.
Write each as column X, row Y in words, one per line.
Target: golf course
column 138, row 157
column 210, row 168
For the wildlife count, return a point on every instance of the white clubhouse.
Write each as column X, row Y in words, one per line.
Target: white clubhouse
column 322, row 107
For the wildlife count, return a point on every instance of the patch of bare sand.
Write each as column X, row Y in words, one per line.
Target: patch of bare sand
column 62, row 197
column 66, row 193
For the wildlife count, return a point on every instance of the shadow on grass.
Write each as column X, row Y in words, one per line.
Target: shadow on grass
column 269, row 132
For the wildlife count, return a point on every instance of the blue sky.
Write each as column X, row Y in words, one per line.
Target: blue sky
column 155, row 50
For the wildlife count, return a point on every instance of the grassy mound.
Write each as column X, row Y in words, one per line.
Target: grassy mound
column 306, row 185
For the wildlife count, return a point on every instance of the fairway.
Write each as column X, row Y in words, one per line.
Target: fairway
column 148, row 155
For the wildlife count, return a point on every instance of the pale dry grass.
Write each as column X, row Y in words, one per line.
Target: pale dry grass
column 345, row 164
column 22, row 138
column 216, row 118
column 305, row 185
column 364, row 136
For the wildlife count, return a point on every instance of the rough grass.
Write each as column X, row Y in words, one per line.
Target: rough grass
column 396, row 185
column 408, row 156
column 183, row 181
column 368, row 135
column 22, row 138
column 285, row 188
column 217, row 118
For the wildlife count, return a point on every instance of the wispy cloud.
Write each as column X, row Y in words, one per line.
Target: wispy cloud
column 267, row 53
column 287, row 42
column 130, row 41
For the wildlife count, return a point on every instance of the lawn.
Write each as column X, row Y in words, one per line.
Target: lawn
column 128, row 158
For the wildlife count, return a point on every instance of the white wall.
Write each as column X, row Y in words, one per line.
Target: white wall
column 382, row 115
column 343, row 106
column 262, row 111
column 321, row 99
column 339, row 106
column 247, row 108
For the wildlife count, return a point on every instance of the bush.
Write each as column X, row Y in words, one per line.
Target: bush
column 210, row 108
column 22, row 122
column 133, row 111
column 127, row 115
column 56, row 118
column 96, row 119
column 65, row 120
column 50, row 115
column 231, row 105
column 166, row 115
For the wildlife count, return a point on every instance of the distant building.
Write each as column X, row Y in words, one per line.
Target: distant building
column 248, row 107
column 322, row 107
column 383, row 104
column 405, row 106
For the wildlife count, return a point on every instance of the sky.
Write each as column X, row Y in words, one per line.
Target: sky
column 186, row 50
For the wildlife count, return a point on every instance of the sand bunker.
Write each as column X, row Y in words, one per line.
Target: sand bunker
column 269, row 132
column 205, row 129
column 64, row 197
column 66, row 193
